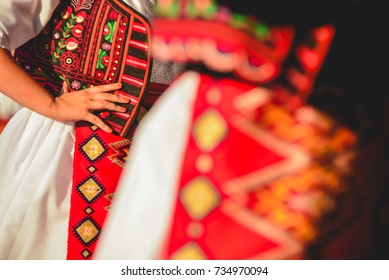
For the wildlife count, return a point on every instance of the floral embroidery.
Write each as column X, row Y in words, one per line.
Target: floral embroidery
column 106, row 46
column 67, row 49
column 109, row 31
column 67, row 29
column 99, row 74
column 82, row 4
column 69, row 61
column 103, row 60
column 76, row 85
column 113, row 15
column 47, row 47
column 78, row 31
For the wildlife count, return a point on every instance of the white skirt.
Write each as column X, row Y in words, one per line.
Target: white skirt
column 36, row 157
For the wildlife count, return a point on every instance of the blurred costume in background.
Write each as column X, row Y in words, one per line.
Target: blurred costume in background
column 58, row 181
column 232, row 162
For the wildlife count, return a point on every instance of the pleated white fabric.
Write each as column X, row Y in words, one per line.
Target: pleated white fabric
column 36, row 156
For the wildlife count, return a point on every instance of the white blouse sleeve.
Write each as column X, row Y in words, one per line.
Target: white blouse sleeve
column 145, row 7
column 21, row 20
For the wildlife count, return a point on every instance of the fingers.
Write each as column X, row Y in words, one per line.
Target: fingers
column 108, row 97
column 98, row 122
column 104, row 105
column 104, row 88
column 105, row 101
column 100, row 93
column 94, row 89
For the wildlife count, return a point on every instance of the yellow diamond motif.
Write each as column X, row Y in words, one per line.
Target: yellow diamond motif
column 92, row 169
column 199, row 197
column 86, row 253
column 87, row 231
column 209, row 130
column 190, row 251
column 88, row 210
column 93, row 148
column 90, row 189
column 94, row 127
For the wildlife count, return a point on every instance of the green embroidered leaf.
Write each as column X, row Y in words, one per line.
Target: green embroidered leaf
column 100, row 64
column 111, row 25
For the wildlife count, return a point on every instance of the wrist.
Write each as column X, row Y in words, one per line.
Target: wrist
column 51, row 110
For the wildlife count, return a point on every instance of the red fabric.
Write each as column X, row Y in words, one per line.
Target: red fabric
column 258, row 180
column 3, row 123
column 105, row 170
column 240, row 242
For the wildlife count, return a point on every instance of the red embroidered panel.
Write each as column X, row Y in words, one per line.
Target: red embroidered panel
column 99, row 158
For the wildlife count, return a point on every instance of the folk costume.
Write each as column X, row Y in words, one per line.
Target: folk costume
column 231, row 162
column 57, row 181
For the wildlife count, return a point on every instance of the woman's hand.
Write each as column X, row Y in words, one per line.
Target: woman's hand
column 79, row 105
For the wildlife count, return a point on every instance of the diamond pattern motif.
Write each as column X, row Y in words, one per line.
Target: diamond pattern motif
column 86, row 253
column 92, row 169
column 87, row 231
column 209, row 130
column 199, row 197
column 90, row 189
column 89, row 210
column 93, row 149
column 190, row 251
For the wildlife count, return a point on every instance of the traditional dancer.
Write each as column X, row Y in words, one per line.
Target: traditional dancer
column 57, row 181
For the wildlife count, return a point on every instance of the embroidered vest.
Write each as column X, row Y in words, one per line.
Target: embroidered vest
column 93, row 42
column 86, row 43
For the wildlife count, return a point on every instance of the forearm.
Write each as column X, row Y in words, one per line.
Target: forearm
column 69, row 107
column 19, row 86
